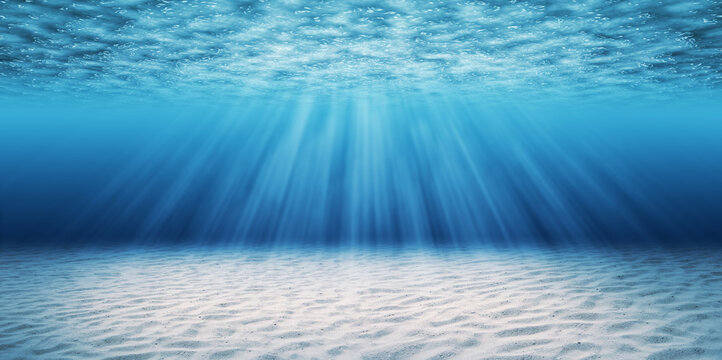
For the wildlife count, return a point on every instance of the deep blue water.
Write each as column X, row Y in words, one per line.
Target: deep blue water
column 361, row 123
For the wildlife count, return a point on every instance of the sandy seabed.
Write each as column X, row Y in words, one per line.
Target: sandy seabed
column 173, row 303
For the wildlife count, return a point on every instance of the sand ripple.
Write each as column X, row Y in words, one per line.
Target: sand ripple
column 375, row 305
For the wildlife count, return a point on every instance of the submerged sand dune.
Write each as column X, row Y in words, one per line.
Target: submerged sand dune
column 147, row 304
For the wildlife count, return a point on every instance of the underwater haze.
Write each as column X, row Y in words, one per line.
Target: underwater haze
column 361, row 122
column 383, row 179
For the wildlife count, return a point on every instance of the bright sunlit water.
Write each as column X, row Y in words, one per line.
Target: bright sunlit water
column 229, row 48
column 360, row 179
column 361, row 122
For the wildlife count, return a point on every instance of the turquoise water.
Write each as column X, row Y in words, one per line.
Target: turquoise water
column 208, row 49
column 362, row 122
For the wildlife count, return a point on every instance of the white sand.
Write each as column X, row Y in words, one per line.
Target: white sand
column 375, row 305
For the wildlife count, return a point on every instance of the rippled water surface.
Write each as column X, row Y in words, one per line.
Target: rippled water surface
column 346, row 152
column 192, row 48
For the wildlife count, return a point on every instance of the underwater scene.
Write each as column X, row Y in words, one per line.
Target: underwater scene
column 388, row 179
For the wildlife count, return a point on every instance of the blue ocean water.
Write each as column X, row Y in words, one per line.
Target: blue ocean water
column 361, row 122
